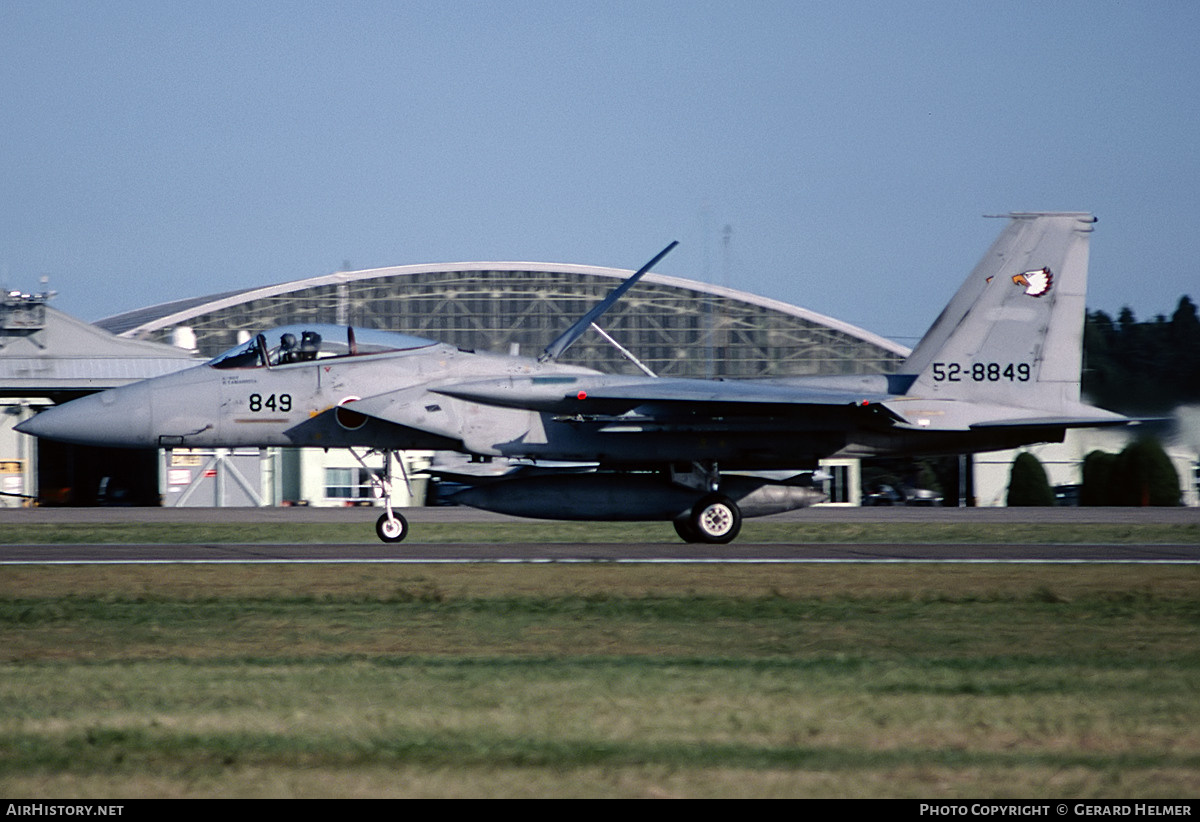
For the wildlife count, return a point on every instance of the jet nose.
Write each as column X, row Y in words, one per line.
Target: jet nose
column 119, row 418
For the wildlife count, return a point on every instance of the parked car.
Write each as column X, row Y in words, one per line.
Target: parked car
column 1066, row 495
column 902, row 495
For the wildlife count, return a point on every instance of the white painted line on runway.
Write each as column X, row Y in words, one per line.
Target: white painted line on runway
column 589, row 561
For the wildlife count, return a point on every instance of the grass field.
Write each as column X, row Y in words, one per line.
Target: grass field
column 607, row 681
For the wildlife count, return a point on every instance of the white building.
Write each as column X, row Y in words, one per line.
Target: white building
column 1064, row 461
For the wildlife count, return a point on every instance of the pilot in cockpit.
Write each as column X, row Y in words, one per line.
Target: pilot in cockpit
column 310, row 344
column 287, row 349
column 290, row 351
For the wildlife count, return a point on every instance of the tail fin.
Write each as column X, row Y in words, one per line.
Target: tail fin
column 1013, row 334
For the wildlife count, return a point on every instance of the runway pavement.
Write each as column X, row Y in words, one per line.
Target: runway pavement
column 368, row 514
column 416, row 551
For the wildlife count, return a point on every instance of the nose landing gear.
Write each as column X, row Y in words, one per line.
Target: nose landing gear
column 391, row 526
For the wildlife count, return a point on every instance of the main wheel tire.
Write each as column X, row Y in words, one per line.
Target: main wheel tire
column 715, row 519
column 683, row 527
column 391, row 530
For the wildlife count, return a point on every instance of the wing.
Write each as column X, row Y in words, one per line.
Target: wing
column 618, row 395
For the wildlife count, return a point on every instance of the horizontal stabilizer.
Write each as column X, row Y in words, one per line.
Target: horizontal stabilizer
column 1057, row 422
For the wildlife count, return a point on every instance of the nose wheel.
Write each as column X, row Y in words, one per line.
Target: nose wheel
column 391, row 527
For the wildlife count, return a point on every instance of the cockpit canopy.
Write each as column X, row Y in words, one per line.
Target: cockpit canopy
column 304, row 343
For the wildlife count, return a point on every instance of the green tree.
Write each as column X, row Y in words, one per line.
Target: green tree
column 1144, row 475
column 1143, row 367
column 1097, row 488
column 1183, row 361
column 1027, row 483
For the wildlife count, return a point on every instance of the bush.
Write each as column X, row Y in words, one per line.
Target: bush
column 1027, row 484
column 1098, row 487
column 1144, row 475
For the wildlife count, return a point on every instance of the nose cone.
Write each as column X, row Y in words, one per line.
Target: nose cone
column 118, row 418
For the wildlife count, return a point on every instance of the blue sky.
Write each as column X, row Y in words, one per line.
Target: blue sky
column 158, row 150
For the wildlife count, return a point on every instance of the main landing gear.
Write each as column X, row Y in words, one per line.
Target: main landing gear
column 715, row 519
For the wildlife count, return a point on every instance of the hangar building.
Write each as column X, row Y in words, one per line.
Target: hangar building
column 48, row 357
column 674, row 326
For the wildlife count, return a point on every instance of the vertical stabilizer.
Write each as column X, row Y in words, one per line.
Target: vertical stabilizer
column 1013, row 333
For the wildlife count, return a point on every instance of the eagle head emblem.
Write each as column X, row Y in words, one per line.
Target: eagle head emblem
column 1036, row 283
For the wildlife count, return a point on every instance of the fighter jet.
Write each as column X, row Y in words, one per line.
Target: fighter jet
column 999, row 368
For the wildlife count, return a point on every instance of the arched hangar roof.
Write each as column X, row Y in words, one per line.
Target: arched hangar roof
column 676, row 326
